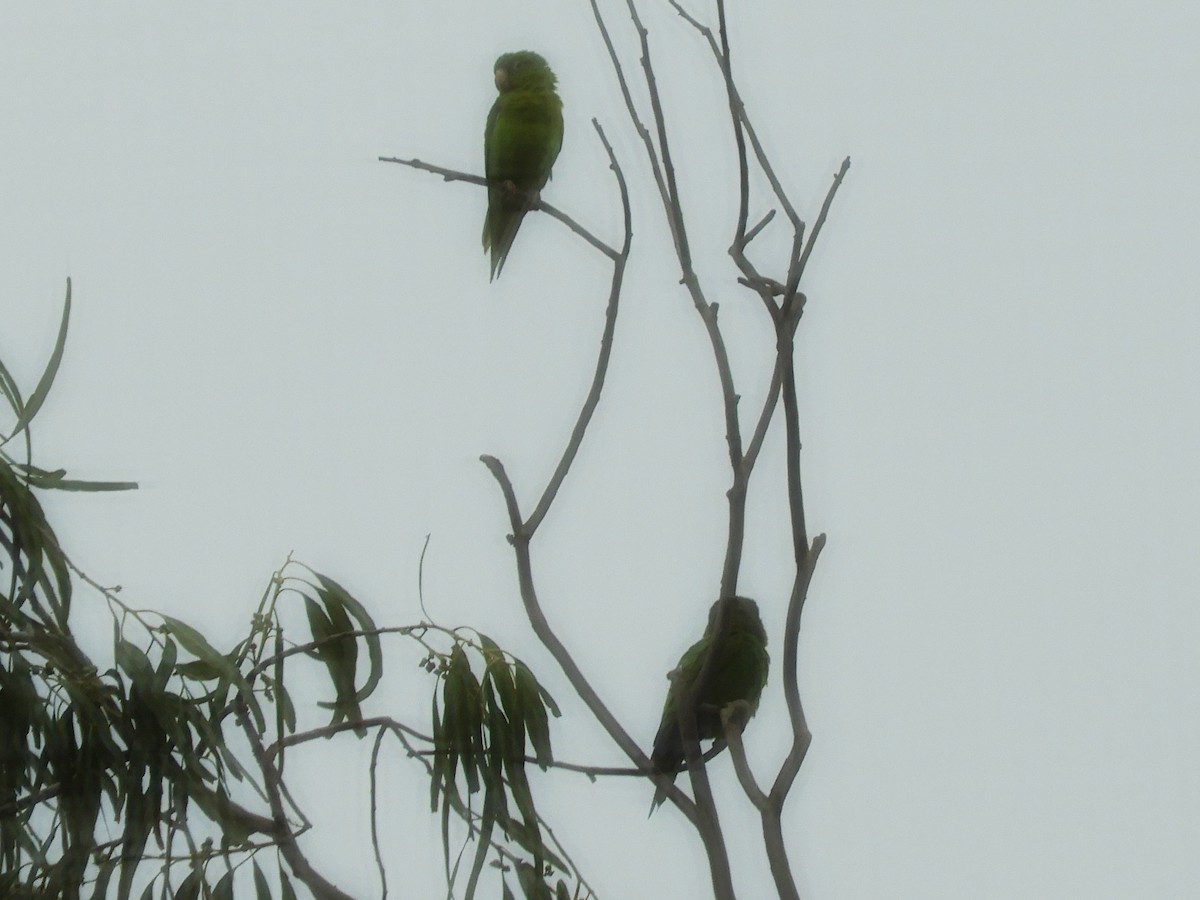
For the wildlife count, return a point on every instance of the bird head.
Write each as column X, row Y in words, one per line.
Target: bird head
column 741, row 614
column 523, row 70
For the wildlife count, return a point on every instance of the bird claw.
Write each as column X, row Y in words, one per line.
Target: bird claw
column 736, row 713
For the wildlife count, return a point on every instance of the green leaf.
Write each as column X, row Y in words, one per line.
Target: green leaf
column 261, row 889
column 530, row 839
column 237, row 823
column 319, row 626
column 500, row 757
column 196, row 644
column 224, row 888
column 32, row 535
column 38, row 397
column 462, row 697
column 285, row 885
column 199, row 670
column 11, row 392
column 57, row 481
column 340, row 656
column 103, row 876
column 343, row 650
column 499, row 674
column 133, row 841
column 189, row 888
column 438, row 773
column 335, row 591
column 530, row 698
column 531, row 882
column 135, row 663
column 166, row 665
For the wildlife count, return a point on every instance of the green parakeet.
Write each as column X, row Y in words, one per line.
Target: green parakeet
column 523, row 136
column 739, row 672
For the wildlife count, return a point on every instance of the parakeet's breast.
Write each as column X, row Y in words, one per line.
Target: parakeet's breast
column 526, row 138
column 740, row 671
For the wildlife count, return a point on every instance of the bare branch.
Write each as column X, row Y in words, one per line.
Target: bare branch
column 759, row 226
column 764, row 421
column 674, row 208
column 668, row 190
column 777, row 856
column 288, row 847
column 741, row 765
column 536, row 203
column 801, row 737
column 816, row 231
column 639, row 126
column 610, row 325
column 708, row 822
column 759, row 153
column 791, row 420
column 738, row 136
column 447, row 174
column 373, row 772
column 541, row 627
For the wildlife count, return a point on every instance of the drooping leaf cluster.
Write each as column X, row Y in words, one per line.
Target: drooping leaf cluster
column 483, row 728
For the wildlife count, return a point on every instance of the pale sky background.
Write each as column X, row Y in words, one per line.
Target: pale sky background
column 292, row 346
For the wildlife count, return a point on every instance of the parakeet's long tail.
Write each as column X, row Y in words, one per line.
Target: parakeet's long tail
column 667, row 757
column 500, row 227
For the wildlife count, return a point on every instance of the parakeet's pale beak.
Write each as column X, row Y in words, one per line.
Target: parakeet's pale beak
column 501, row 79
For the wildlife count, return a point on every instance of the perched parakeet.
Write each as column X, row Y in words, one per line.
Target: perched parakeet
column 523, row 136
column 738, row 673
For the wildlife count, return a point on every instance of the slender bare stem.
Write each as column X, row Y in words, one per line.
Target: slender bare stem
column 738, row 135
column 801, row 737
column 610, row 326
column 816, row 231
column 541, row 627
column 764, row 421
column 759, row 153
column 741, row 765
column 537, row 204
column 321, row 888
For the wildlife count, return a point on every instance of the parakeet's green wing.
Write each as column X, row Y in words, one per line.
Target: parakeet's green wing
column 522, row 140
column 739, row 673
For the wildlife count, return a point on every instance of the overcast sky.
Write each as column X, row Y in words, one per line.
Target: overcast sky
column 292, row 346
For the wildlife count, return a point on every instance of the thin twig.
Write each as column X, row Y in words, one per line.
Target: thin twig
column 739, row 137
column 673, row 211
column 791, row 421
column 755, row 144
column 674, row 208
column 816, row 231
column 541, row 627
column 606, row 341
column 634, row 117
column 374, row 790
column 741, row 765
column 535, row 204
column 801, row 737
column 288, row 847
column 764, row 421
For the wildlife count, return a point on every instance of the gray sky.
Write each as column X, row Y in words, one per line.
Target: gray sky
column 292, row 346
